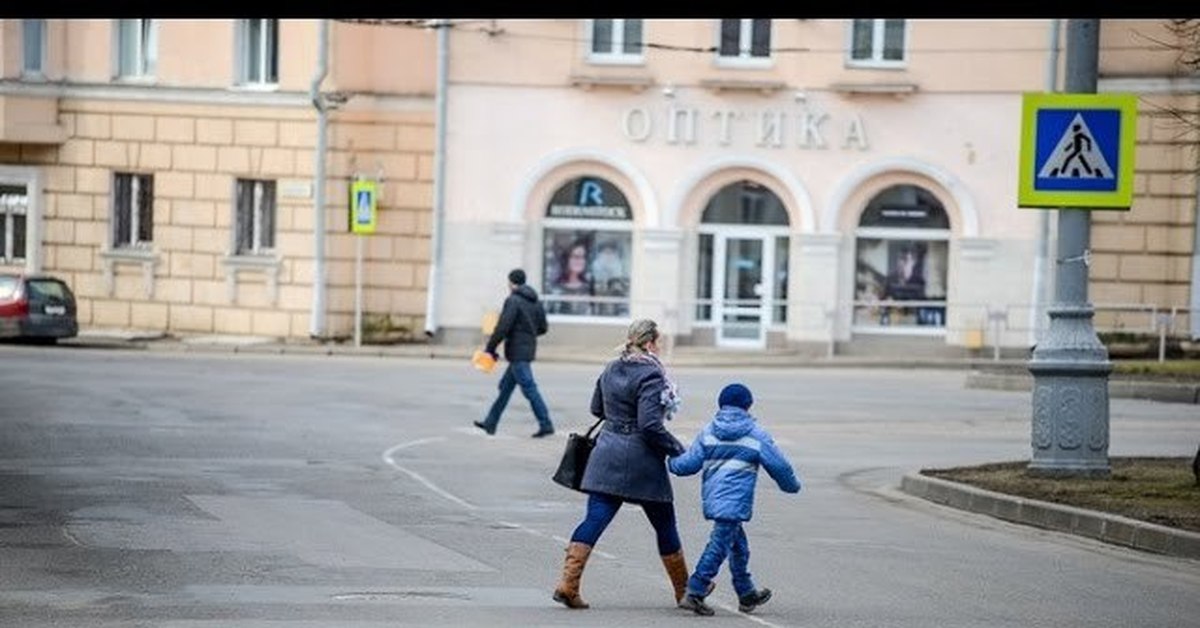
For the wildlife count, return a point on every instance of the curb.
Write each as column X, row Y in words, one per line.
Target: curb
column 1171, row 392
column 1114, row 529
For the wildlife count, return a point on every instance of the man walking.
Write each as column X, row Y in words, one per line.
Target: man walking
column 522, row 320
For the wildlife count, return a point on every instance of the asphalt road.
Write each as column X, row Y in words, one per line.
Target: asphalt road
column 263, row 491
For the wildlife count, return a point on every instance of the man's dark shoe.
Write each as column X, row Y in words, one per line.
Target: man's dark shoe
column 696, row 605
column 485, row 428
column 541, row 433
column 753, row 600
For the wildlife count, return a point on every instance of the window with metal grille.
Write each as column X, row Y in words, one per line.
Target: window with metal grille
column 133, row 210
column 255, row 219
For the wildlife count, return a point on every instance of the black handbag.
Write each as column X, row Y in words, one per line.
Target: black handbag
column 575, row 458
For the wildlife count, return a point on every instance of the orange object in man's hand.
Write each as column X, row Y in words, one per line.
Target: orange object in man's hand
column 483, row 361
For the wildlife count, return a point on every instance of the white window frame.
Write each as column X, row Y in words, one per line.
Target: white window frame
column 616, row 55
column 29, row 177
column 877, row 41
column 8, row 216
column 256, row 247
column 40, row 71
column 145, row 46
column 135, row 214
column 745, row 44
column 900, row 233
column 243, row 56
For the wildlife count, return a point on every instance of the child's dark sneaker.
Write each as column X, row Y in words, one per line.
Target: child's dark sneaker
column 696, row 605
column 749, row 602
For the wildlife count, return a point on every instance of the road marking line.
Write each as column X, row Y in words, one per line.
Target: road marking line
column 387, row 457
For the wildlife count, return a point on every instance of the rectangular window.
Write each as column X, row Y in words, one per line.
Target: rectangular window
column 33, row 46
column 877, row 42
column 745, row 39
column 255, row 219
column 259, row 56
column 133, row 210
column 616, row 40
column 587, row 272
column 137, row 47
column 14, row 207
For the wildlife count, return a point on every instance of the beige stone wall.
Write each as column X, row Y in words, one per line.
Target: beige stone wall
column 195, row 154
column 1143, row 256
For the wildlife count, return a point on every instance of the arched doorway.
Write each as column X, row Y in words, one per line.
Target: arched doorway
column 741, row 286
column 901, row 258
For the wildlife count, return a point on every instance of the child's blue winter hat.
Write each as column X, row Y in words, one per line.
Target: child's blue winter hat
column 735, row 395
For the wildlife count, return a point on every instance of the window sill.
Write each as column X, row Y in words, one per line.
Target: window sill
column 255, row 87
column 894, row 89
column 872, row 64
column 636, row 83
column 265, row 263
column 143, row 256
column 136, row 79
column 616, row 59
column 34, row 77
column 745, row 63
column 766, row 87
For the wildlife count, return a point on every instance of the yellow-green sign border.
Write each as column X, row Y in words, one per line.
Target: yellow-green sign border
column 1122, row 197
column 355, row 226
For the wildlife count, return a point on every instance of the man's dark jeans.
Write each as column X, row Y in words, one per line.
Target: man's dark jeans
column 519, row 374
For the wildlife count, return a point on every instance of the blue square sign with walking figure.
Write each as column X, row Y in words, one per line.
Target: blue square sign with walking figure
column 1077, row 150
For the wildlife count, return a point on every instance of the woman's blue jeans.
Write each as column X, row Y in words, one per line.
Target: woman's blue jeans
column 519, row 374
column 602, row 508
column 727, row 539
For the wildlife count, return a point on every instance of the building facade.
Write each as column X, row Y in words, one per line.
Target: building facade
column 819, row 185
column 166, row 169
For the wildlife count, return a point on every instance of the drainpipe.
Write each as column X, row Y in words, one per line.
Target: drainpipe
column 1043, row 239
column 439, row 178
column 1194, row 314
column 316, row 328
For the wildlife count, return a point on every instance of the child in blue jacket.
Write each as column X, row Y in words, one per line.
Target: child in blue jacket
column 730, row 450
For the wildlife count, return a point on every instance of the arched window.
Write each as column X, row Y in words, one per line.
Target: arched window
column 902, row 249
column 587, row 250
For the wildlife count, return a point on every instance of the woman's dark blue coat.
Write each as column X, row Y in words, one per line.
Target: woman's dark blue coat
column 629, row 460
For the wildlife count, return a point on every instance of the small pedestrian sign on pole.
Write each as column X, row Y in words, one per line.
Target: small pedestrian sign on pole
column 363, row 206
column 1077, row 150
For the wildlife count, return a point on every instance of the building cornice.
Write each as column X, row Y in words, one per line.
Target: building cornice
column 1150, row 84
column 202, row 95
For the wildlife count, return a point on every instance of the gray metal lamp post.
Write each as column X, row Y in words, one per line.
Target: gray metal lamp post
column 1070, row 365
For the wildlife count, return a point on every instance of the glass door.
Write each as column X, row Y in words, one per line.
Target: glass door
column 742, row 287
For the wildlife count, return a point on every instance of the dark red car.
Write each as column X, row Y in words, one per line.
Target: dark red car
column 36, row 307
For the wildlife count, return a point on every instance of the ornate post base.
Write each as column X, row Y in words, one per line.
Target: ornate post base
column 1070, row 370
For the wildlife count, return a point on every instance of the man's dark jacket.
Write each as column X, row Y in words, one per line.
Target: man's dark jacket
column 522, row 320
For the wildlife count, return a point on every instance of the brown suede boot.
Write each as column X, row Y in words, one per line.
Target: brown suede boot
column 677, row 571
column 567, row 591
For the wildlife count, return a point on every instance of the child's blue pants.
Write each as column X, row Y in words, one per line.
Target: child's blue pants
column 727, row 539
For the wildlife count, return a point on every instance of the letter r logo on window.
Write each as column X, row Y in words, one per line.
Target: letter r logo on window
column 590, row 193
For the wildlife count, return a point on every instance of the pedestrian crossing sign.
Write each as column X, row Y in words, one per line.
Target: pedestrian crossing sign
column 1077, row 150
column 364, row 213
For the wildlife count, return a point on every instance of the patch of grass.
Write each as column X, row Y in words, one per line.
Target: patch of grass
column 1157, row 490
column 1180, row 369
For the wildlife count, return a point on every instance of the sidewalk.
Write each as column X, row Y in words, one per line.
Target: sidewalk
column 986, row 373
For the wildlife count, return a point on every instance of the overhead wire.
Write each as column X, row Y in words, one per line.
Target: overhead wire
column 493, row 31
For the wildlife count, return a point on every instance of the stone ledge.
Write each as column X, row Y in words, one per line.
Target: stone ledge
column 1101, row 526
column 1171, row 392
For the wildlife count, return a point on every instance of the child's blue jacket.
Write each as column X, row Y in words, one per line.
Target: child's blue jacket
column 730, row 450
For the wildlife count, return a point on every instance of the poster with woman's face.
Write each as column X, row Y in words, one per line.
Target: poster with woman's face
column 900, row 270
column 586, row 272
